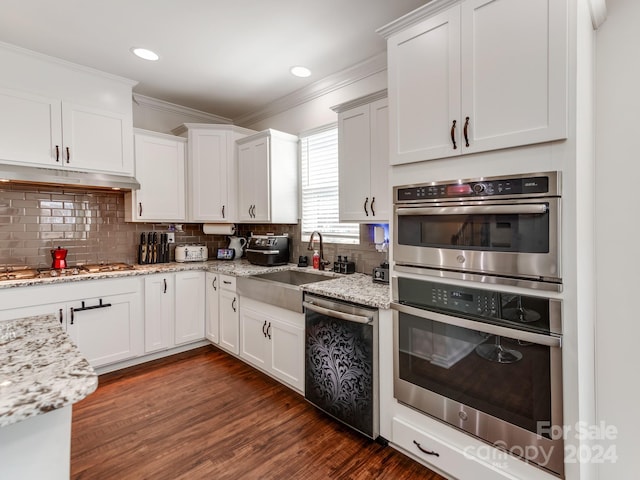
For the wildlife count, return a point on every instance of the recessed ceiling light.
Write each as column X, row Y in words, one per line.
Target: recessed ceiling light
column 299, row 71
column 145, row 53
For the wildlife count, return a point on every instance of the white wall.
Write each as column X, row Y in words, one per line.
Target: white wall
column 618, row 232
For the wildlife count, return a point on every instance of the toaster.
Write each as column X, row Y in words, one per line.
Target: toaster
column 191, row 253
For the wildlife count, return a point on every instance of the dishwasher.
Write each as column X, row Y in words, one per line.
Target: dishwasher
column 341, row 362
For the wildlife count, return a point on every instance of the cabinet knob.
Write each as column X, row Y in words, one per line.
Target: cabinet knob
column 453, row 135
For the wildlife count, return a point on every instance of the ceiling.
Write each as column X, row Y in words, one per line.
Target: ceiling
column 225, row 57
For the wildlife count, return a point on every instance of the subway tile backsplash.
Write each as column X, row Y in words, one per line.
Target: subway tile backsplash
column 90, row 225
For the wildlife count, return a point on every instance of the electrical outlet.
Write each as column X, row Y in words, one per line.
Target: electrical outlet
column 171, row 237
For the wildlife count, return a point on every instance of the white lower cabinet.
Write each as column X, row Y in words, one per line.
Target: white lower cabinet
column 272, row 339
column 229, row 315
column 189, row 307
column 159, row 311
column 212, row 307
column 103, row 317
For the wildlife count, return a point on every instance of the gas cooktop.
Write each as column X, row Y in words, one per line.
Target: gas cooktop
column 26, row 273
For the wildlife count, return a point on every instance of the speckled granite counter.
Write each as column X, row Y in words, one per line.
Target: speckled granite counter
column 357, row 287
column 40, row 369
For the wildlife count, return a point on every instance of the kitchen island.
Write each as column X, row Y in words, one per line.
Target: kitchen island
column 42, row 374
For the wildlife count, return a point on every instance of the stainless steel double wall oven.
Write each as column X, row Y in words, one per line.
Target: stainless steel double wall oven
column 485, row 360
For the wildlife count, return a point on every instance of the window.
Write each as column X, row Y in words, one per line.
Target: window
column 319, row 170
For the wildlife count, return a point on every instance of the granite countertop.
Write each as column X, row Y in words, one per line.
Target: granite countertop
column 357, row 287
column 41, row 369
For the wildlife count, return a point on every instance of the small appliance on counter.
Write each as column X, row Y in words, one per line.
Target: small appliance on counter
column 191, row 253
column 59, row 256
column 153, row 248
column 344, row 266
column 268, row 250
column 381, row 273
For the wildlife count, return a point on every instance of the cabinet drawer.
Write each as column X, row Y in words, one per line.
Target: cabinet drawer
column 450, row 459
column 228, row 282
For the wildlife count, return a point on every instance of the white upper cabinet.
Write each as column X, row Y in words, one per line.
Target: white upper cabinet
column 211, row 171
column 268, row 178
column 55, row 114
column 481, row 75
column 160, row 169
column 363, row 133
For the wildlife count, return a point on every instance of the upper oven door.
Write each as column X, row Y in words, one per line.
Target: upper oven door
column 513, row 238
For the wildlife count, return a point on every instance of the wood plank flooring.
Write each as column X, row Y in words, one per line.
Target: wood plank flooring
column 206, row 415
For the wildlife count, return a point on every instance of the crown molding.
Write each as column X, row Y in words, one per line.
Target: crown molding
column 598, row 10
column 163, row 106
column 353, row 74
column 417, row 15
column 70, row 65
column 358, row 102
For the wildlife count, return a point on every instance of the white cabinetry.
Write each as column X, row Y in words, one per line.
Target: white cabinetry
column 272, row 339
column 268, row 178
column 190, row 305
column 103, row 317
column 58, row 115
column 159, row 311
column 211, row 171
column 363, row 133
column 481, row 75
column 212, row 307
column 160, row 170
column 229, row 315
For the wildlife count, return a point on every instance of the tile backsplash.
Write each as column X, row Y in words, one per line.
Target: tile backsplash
column 90, row 225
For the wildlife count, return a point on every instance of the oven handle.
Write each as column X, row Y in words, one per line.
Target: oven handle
column 335, row 314
column 534, row 208
column 537, row 338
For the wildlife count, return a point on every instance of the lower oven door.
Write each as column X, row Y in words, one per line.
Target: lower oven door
column 500, row 384
column 341, row 362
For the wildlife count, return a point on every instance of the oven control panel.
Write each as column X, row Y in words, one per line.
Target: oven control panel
column 464, row 300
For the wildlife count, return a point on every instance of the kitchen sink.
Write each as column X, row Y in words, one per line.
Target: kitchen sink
column 282, row 289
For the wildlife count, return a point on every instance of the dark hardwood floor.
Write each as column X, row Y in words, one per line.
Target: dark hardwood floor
column 205, row 414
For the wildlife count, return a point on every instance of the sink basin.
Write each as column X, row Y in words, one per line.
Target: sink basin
column 282, row 289
column 293, row 277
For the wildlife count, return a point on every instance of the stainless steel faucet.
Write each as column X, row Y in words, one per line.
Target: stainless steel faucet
column 323, row 262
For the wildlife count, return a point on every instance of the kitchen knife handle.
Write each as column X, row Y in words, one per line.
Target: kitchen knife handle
column 57, row 153
column 466, row 131
column 453, row 135
column 68, row 155
column 366, row 201
column 373, row 212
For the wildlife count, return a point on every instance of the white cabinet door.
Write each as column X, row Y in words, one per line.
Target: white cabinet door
column 424, row 89
column 253, row 331
column 513, row 72
column 108, row 333
column 160, row 167
column 60, row 310
column 286, row 342
column 96, row 139
column 190, row 304
column 212, row 307
column 379, row 173
column 31, row 127
column 229, row 321
column 254, row 180
column 354, row 144
column 159, row 312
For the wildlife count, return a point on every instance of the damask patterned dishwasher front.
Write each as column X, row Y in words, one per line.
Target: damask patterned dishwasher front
column 340, row 370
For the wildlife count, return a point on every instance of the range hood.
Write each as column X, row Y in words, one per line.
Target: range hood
column 63, row 177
